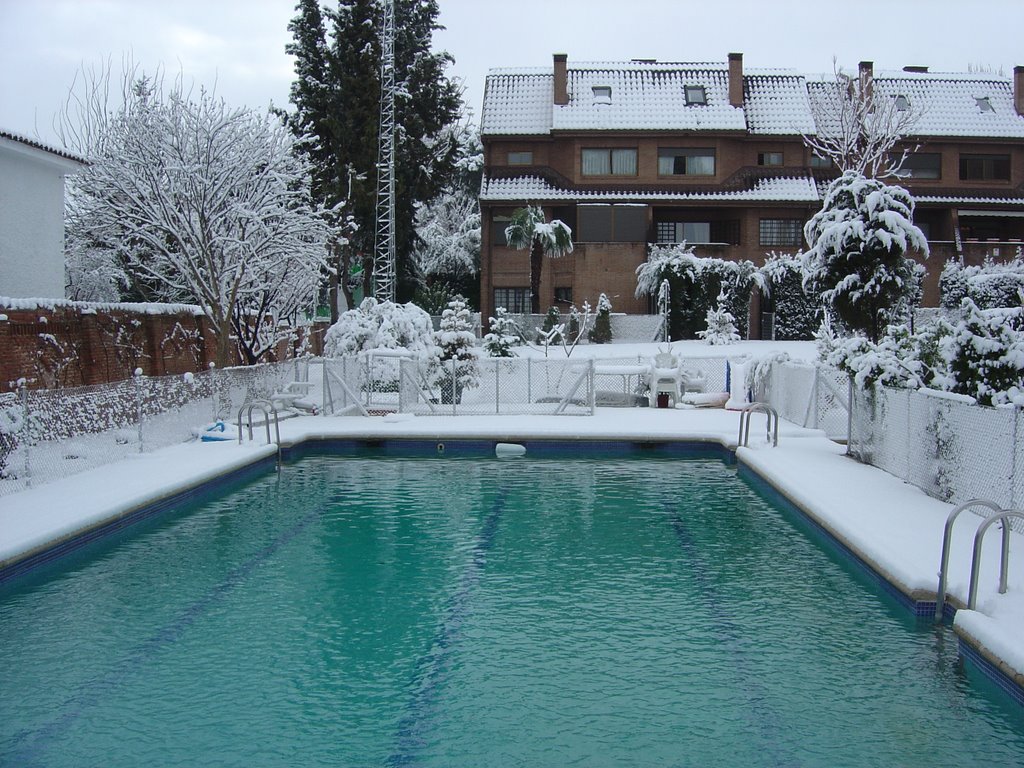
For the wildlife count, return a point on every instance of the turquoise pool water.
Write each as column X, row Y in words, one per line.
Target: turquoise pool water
column 469, row 612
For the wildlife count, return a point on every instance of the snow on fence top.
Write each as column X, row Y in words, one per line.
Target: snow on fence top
column 148, row 308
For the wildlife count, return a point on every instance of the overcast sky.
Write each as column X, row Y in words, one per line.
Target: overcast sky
column 239, row 44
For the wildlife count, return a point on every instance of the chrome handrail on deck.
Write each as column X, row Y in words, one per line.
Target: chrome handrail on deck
column 1003, row 515
column 947, row 536
column 268, row 408
column 773, row 416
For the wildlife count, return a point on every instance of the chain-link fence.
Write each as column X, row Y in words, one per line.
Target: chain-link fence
column 48, row 434
column 809, row 395
column 951, row 449
column 375, row 383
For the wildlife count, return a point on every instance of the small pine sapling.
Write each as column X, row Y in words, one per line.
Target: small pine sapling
column 602, row 330
column 503, row 336
column 721, row 324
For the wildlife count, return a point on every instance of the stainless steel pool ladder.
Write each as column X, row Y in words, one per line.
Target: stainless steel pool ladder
column 998, row 514
column 268, row 408
column 771, row 431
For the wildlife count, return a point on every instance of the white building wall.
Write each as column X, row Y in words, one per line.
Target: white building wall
column 31, row 222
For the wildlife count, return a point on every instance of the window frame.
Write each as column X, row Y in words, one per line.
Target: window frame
column 525, row 152
column 521, row 304
column 783, row 233
column 699, row 98
column 675, row 153
column 762, row 158
column 609, row 156
column 909, row 172
column 990, row 165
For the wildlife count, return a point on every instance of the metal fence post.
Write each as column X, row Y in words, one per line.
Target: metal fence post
column 849, row 417
column 25, row 441
column 213, row 391
column 455, row 394
column 497, row 388
column 138, row 402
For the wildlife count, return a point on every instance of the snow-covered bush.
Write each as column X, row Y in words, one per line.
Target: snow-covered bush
column 503, row 336
column 693, row 281
column 989, row 286
column 455, row 342
column 552, row 330
column 984, row 355
column 601, row 333
column 721, row 324
column 857, row 261
column 381, row 325
column 797, row 314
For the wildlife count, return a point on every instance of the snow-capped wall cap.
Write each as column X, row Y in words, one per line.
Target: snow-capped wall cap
column 21, row 141
column 534, row 188
column 89, row 307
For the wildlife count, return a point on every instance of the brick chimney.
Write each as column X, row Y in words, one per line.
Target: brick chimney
column 1018, row 89
column 561, row 79
column 736, row 79
column 866, row 71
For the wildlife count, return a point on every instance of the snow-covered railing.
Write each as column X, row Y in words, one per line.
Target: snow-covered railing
column 943, row 443
column 48, row 434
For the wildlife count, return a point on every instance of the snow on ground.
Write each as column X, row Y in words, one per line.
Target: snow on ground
column 891, row 524
column 797, row 350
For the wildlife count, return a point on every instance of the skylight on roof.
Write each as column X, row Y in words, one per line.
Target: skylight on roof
column 695, row 95
column 984, row 105
column 902, row 103
column 602, row 94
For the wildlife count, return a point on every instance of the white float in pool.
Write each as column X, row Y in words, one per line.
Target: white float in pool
column 509, row 449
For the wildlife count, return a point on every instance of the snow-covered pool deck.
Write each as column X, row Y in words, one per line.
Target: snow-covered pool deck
column 893, row 527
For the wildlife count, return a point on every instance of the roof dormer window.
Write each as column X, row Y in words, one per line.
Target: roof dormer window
column 984, row 105
column 695, row 95
column 602, row 94
column 902, row 103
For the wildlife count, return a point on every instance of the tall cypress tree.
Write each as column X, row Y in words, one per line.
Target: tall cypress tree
column 337, row 100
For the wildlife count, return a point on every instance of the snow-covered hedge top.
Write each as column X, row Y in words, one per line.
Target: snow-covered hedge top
column 381, row 325
column 145, row 308
column 990, row 285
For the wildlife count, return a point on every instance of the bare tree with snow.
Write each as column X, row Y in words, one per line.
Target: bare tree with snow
column 200, row 203
column 859, row 126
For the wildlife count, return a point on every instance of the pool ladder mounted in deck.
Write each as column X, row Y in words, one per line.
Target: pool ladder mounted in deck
column 999, row 514
column 771, row 427
column 268, row 408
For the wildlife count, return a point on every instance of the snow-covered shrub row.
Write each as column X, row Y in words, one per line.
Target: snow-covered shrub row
column 797, row 314
column 989, row 286
column 693, row 281
column 981, row 356
column 381, row 325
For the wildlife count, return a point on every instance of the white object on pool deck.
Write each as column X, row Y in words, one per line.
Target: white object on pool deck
column 509, row 449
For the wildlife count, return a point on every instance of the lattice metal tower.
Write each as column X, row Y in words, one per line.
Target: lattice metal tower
column 384, row 279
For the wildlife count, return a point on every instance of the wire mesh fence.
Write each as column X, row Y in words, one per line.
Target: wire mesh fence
column 811, row 396
column 48, row 434
column 951, row 449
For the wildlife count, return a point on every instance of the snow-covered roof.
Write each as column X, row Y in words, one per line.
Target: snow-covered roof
column 643, row 95
column 38, row 145
column 535, row 188
column 950, row 103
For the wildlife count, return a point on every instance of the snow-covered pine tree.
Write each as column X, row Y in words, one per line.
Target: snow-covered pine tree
column 857, row 261
column 504, row 334
column 458, row 368
column 721, row 328
column 984, row 355
column 601, row 333
column 551, row 331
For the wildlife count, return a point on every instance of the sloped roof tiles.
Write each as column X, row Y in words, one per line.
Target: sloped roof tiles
column 651, row 96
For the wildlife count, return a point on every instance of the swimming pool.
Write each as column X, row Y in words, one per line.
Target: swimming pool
column 447, row 610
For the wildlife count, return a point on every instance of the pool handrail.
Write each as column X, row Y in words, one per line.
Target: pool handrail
column 1003, row 515
column 268, row 408
column 771, row 435
column 947, row 537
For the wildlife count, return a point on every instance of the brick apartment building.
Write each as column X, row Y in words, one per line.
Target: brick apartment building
column 644, row 152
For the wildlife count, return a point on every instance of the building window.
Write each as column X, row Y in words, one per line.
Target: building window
column 520, row 158
column 563, row 296
column 515, row 300
column 499, row 224
column 821, row 162
column 786, row 232
column 604, row 223
column 692, row 232
column 985, row 167
column 769, row 158
column 984, row 104
column 609, row 162
column 902, row 103
column 686, row 162
column 696, row 95
column 602, row 94
column 922, row 165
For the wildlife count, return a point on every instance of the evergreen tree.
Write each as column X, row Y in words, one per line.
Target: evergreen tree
column 503, row 336
column 721, row 325
column 551, row 331
column 455, row 340
column 602, row 330
column 337, row 101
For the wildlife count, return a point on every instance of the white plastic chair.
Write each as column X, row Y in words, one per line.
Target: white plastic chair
column 666, row 376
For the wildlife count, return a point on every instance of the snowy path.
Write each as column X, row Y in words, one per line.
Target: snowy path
column 891, row 525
